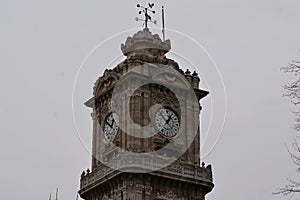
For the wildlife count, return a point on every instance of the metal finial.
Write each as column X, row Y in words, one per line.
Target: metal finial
column 146, row 11
column 163, row 22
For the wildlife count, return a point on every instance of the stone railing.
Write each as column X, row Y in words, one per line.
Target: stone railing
column 149, row 164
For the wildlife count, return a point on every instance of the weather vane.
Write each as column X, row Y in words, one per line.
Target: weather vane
column 146, row 11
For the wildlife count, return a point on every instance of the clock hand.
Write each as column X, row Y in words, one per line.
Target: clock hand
column 163, row 115
column 112, row 123
column 109, row 124
column 169, row 118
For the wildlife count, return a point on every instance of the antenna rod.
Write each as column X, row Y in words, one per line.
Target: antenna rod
column 163, row 22
column 146, row 17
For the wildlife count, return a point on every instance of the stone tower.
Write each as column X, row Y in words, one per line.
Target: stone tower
column 146, row 133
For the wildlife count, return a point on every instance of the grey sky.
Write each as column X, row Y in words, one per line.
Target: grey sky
column 43, row 44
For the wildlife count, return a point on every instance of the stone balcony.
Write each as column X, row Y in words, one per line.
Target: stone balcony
column 136, row 164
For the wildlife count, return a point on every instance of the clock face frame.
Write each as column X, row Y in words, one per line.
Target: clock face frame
column 167, row 122
column 111, row 126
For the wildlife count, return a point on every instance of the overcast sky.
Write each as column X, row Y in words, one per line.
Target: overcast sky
column 43, row 44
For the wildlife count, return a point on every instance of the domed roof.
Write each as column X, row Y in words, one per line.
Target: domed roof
column 145, row 40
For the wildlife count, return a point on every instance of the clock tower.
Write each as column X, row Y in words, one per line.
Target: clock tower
column 146, row 131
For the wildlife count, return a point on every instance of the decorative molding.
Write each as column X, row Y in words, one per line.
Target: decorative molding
column 145, row 40
column 106, row 82
column 177, row 168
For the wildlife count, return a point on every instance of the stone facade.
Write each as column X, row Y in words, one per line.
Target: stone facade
column 172, row 164
column 177, row 181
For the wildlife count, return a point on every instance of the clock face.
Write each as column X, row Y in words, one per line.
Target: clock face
column 167, row 122
column 111, row 126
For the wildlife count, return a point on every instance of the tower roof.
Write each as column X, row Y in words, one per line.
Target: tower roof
column 145, row 40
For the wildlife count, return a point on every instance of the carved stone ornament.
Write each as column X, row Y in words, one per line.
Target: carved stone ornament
column 105, row 198
column 136, row 148
column 168, row 195
column 105, row 82
column 145, row 40
column 161, row 98
column 102, row 108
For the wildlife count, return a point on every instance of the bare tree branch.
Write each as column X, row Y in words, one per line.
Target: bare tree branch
column 292, row 91
column 292, row 67
column 292, row 187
